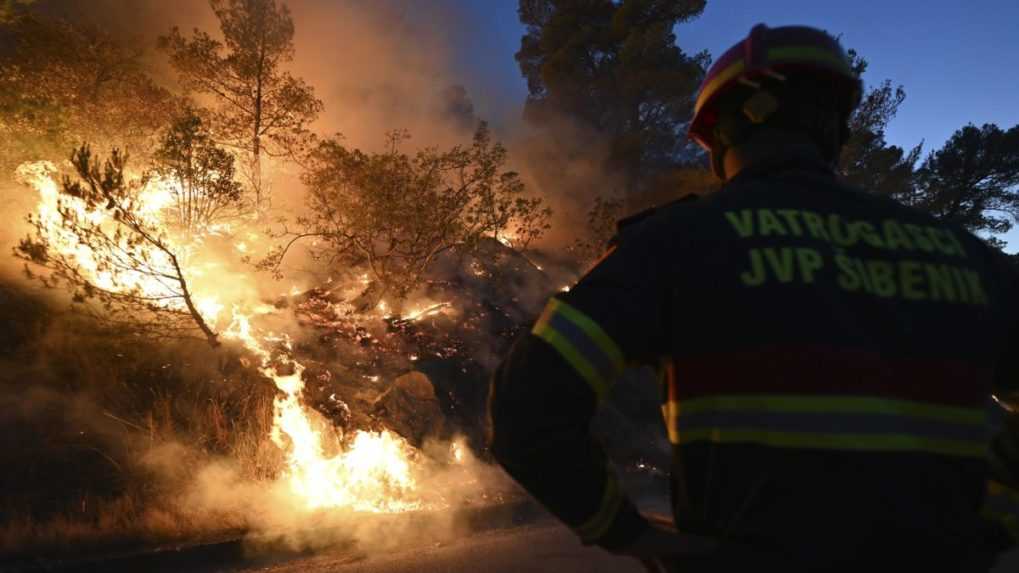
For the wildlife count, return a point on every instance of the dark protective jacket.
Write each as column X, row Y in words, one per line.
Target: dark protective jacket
column 826, row 357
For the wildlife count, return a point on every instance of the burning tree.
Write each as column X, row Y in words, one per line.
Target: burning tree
column 262, row 108
column 394, row 213
column 204, row 189
column 98, row 235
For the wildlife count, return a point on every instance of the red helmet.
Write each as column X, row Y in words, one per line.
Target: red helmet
column 772, row 53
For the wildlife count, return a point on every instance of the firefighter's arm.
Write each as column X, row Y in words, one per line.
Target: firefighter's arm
column 547, row 390
column 1001, row 503
column 1005, row 447
column 540, row 409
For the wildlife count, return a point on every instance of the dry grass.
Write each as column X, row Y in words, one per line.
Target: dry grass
column 99, row 436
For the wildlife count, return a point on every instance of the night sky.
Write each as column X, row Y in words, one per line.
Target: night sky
column 958, row 61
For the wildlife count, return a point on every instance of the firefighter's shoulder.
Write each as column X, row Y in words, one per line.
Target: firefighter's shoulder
column 630, row 224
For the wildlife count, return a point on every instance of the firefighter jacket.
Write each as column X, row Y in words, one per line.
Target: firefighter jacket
column 815, row 342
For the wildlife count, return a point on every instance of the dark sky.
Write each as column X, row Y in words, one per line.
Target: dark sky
column 958, row 61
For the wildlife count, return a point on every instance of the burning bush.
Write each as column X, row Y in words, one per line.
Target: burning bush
column 394, row 213
column 98, row 235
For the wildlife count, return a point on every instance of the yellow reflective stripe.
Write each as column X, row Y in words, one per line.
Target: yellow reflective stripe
column 575, row 359
column 800, row 53
column 775, row 56
column 833, row 404
column 599, row 380
column 599, row 523
column 1008, row 518
column 670, row 411
column 870, row 442
column 734, row 69
column 593, row 330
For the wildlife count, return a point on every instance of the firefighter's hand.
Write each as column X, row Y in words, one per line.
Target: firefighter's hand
column 662, row 544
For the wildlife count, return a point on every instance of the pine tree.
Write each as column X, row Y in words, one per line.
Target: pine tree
column 262, row 109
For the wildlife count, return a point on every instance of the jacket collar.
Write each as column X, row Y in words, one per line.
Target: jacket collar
column 793, row 157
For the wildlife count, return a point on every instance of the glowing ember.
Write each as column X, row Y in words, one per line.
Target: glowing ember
column 426, row 311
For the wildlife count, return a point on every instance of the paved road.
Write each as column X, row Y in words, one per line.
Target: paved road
column 541, row 548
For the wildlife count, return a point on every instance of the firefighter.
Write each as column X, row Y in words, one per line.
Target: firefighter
column 826, row 355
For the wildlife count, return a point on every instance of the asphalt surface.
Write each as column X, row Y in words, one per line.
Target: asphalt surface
column 544, row 547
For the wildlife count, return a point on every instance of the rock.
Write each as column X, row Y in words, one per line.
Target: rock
column 410, row 408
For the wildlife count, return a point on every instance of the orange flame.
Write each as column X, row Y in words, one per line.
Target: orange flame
column 373, row 471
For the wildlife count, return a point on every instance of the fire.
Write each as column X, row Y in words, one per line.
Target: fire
column 429, row 310
column 366, row 471
column 121, row 276
column 457, row 451
column 371, row 473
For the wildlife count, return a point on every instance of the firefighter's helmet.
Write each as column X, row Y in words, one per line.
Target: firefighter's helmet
column 770, row 56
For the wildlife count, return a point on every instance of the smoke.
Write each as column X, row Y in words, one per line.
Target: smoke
column 377, row 66
column 381, row 66
column 216, row 495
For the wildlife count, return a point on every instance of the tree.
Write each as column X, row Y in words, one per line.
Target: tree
column 973, row 180
column 204, row 189
column 614, row 67
column 10, row 10
column 63, row 83
column 393, row 214
column 867, row 160
column 100, row 242
column 600, row 228
column 262, row 109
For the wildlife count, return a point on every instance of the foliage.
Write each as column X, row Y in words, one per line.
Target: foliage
column 867, row 160
column 10, row 10
column 973, row 180
column 63, row 83
column 394, row 214
column 600, row 228
column 261, row 107
column 614, row 67
column 105, row 249
column 204, row 190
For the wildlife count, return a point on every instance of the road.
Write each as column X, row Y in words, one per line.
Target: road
column 543, row 547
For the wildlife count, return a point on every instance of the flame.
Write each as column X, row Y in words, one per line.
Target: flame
column 152, row 199
column 209, row 307
column 372, row 471
column 428, row 310
column 457, row 451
